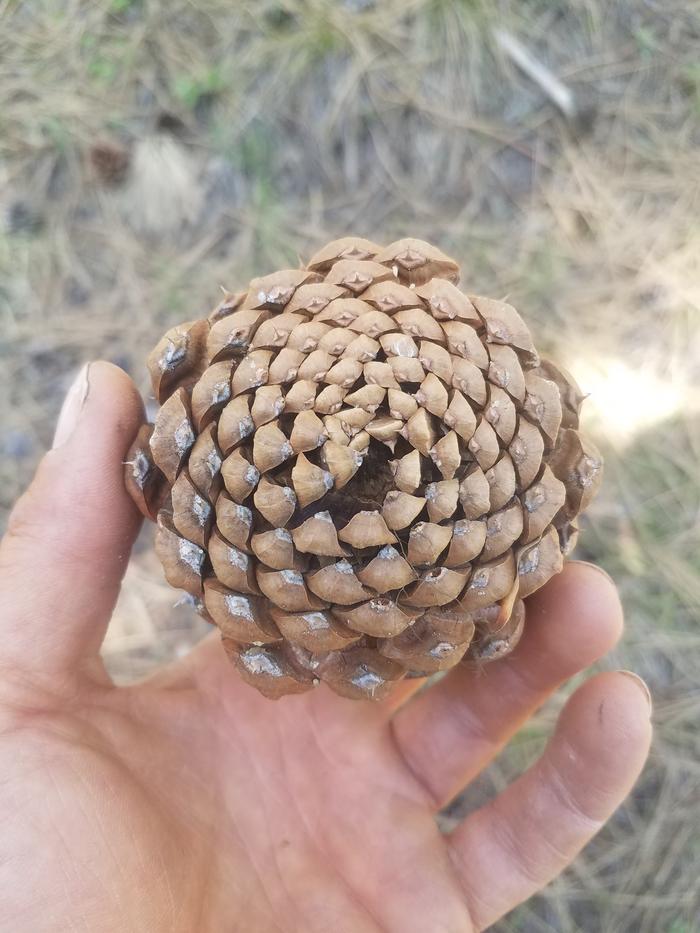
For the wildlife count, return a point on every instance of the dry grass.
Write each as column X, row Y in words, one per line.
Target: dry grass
column 256, row 130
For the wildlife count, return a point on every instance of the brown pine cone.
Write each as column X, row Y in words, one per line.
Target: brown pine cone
column 359, row 472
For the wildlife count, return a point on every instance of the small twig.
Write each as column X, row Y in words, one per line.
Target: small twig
column 561, row 96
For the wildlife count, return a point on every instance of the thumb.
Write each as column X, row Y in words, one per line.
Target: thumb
column 69, row 536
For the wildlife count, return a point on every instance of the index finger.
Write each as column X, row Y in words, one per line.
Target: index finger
column 448, row 733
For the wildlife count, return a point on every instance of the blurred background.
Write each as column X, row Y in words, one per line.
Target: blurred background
column 153, row 151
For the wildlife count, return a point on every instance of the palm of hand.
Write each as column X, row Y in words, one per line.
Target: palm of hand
column 190, row 804
column 304, row 812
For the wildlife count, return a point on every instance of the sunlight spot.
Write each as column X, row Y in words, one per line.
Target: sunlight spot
column 624, row 400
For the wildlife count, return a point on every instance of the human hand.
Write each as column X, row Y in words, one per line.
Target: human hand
column 190, row 804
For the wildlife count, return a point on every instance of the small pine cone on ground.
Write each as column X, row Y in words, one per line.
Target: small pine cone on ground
column 359, row 472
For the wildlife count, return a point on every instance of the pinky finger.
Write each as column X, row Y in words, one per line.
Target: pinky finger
column 509, row 849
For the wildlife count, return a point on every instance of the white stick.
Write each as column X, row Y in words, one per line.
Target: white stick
column 556, row 91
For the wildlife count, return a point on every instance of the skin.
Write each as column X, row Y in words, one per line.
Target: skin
column 190, row 804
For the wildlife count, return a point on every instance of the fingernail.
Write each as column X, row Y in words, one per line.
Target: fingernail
column 603, row 573
column 71, row 408
column 641, row 684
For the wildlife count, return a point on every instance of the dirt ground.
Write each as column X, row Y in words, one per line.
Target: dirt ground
column 153, row 151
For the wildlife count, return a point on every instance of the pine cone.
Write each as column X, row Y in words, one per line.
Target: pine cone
column 359, row 472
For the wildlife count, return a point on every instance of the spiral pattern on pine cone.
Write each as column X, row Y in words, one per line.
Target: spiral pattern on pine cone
column 358, row 471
